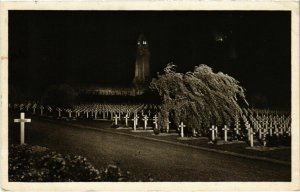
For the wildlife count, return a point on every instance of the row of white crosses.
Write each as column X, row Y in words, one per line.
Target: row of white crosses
column 214, row 133
column 33, row 106
column 107, row 110
column 273, row 124
column 135, row 118
column 115, row 111
column 261, row 132
column 118, row 112
column 92, row 110
column 265, row 122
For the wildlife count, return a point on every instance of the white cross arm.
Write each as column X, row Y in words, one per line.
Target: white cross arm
column 22, row 120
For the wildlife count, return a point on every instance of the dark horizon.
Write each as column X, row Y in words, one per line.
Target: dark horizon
column 99, row 47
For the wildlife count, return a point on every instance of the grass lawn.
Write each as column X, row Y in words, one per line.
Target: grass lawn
column 279, row 153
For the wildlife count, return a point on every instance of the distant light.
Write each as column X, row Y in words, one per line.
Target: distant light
column 219, row 39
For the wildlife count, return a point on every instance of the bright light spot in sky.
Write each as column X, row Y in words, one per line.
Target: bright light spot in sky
column 219, row 39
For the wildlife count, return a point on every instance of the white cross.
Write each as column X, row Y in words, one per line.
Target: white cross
column 213, row 129
column 255, row 125
column 145, row 121
column 259, row 131
column 95, row 114
column 33, row 108
column 194, row 132
column 225, row 132
column 42, row 108
column 264, row 133
column 78, row 113
column 116, row 119
column 181, row 129
column 168, row 126
column 15, row 106
column 237, row 129
column 249, row 130
column 284, row 127
column 27, row 106
column 126, row 119
column 289, row 131
column 265, row 123
column 155, row 118
column 271, row 131
column 59, row 112
column 21, row 106
column 135, row 122
column 216, row 131
column 251, row 137
column 70, row 113
column 22, row 122
column 281, row 130
column 49, row 109
column 276, row 132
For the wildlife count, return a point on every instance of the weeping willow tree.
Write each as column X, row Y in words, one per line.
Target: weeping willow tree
column 199, row 99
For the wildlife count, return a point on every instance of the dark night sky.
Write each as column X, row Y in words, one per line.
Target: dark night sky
column 99, row 47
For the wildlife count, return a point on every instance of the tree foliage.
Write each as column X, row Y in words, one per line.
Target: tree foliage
column 200, row 98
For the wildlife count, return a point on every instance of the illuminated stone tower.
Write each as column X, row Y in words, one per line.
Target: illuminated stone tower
column 142, row 65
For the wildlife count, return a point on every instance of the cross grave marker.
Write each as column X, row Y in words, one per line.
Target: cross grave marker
column 225, row 132
column 155, row 118
column 116, row 117
column 168, row 126
column 126, row 119
column 181, row 129
column 33, row 108
column 59, row 112
column 135, row 122
column 42, row 109
column 145, row 121
column 276, row 132
column 289, row 131
column 264, row 133
column 251, row 137
column 22, row 122
column 213, row 129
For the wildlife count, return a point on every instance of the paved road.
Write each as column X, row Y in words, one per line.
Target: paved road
column 165, row 162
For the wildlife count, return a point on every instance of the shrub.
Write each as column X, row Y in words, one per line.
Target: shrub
column 35, row 163
column 156, row 131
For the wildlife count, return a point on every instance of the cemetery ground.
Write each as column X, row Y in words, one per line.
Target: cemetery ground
column 160, row 161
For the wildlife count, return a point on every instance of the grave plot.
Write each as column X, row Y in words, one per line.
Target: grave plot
column 256, row 127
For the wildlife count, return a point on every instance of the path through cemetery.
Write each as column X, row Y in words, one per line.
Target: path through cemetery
column 144, row 158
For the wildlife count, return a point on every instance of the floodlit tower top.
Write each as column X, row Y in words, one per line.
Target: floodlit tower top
column 142, row 62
